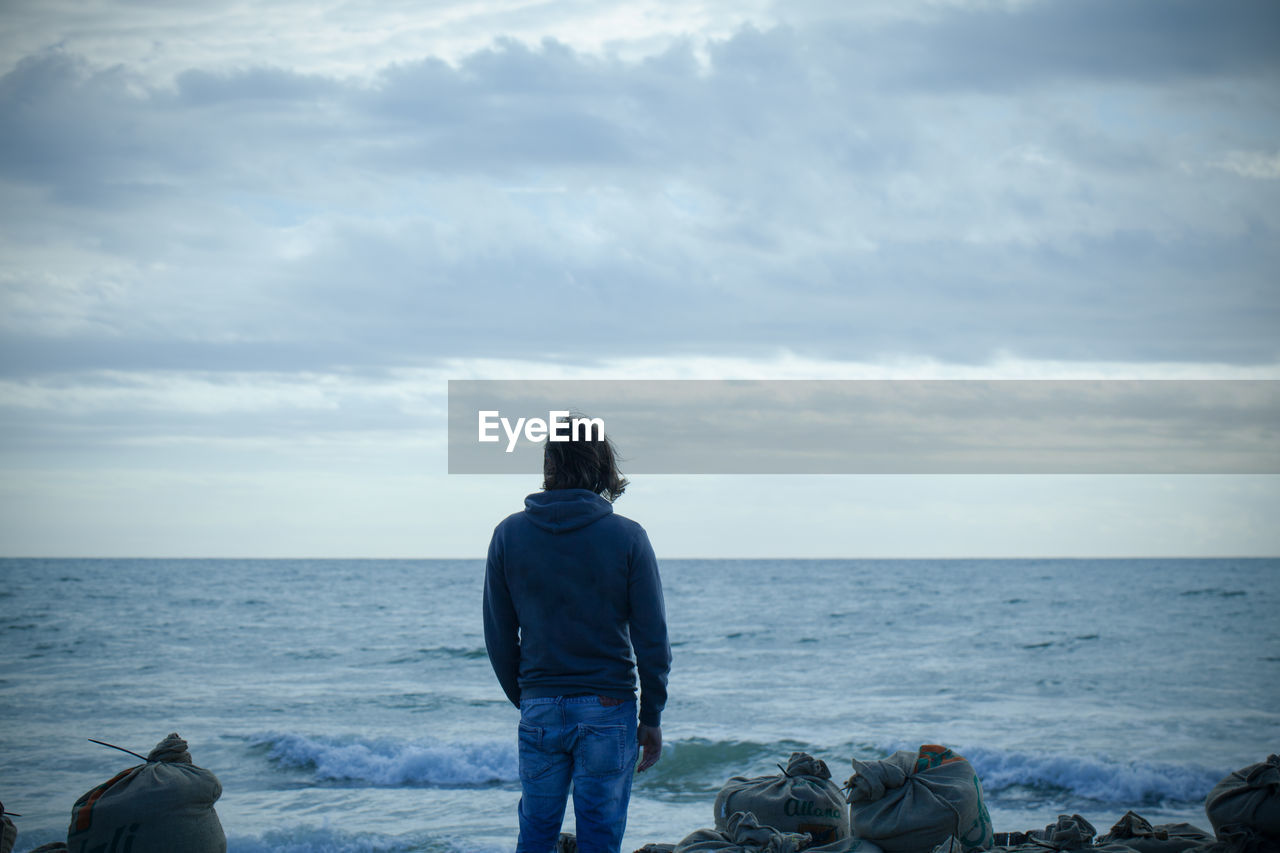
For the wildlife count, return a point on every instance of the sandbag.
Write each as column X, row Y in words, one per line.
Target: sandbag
column 851, row 844
column 1005, row 840
column 910, row 802
column 657, row 848
column 743, row 834
column 1069, row 832
column 1248, row 798
column 9, row 836
column 1236, row 838
column 1136, row 833
column 161, row 806
column 800, row 799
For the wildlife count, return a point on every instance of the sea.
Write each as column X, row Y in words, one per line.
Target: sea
column 348, row 705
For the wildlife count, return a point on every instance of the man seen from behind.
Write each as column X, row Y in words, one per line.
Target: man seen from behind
column 573, row 612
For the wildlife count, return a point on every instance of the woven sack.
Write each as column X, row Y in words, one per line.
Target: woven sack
column 162, row 806
column 1070, row 832
column 846, row 845
column 1239, row 839
column 1134, row 832
column 802, row 798
column 743, row 834
column 911, row 802
column 1248, row 798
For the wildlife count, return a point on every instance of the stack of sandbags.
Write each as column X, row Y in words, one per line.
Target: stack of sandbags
column 1134, row 832
column 162, row 806
column 800, row 799
column 852, row 844
column 1131, row 834
column 1239, row 839
column 912, row 802
column 742, row 833
column 1244, row 808
column 1070, row 832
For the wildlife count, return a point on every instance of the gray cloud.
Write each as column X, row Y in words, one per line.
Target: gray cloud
column 1042, row 182
column 270, row 86
column 1114, row 40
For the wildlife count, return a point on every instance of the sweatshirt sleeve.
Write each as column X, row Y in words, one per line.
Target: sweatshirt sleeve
column 648, row 625
column 501, row 625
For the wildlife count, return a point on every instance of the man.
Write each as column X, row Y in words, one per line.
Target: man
column 573, row 609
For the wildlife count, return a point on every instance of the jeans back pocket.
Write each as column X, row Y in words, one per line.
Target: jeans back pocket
column 600, row 750
column 533, row 761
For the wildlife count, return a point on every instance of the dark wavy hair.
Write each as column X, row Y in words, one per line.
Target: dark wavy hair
column 588, row 460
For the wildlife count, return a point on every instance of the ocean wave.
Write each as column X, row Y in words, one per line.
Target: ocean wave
column 1215, row 591
column 688, row 766
column 442, row 653
column 1096, row 778
column 697, row 767
column 389, row 762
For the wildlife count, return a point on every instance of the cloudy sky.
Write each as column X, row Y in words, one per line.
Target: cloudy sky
column 245, row 245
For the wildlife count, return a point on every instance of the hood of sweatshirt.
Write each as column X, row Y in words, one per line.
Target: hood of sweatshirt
column 562, row 510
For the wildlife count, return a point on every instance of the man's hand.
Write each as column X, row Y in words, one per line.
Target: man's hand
column 650, row 738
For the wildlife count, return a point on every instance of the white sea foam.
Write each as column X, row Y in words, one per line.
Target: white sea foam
column 391, row 762
column 309, row 839
column 1091, row 777
column 313, row 840
column 1102, row 779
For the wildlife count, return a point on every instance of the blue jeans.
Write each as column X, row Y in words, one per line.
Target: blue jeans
column 590, row 743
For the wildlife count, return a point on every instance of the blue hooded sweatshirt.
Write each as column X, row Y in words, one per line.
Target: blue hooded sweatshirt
column 573, row 604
